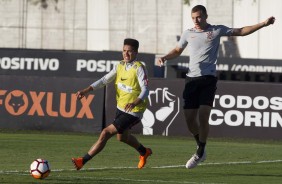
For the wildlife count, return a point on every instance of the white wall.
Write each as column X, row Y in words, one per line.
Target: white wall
column 270, row 43
column 265, row 43
column 98, row 25
column 246, row 13
column 10, row 23
column 103, row 24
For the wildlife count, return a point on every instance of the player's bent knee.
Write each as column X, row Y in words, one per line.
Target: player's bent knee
column 105, row 134
column 122, row 139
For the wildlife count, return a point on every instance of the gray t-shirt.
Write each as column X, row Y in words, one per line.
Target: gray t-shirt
column 203, row 47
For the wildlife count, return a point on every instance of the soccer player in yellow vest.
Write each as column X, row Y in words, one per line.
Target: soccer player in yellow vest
column 131, row 85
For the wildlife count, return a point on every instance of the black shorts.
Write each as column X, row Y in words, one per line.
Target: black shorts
column 124, row 121
column 199, row 91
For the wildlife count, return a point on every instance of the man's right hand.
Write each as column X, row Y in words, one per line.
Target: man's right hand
column 161, row 61
column 80, row 94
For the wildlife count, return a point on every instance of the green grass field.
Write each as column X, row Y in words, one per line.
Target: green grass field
column 228, row 161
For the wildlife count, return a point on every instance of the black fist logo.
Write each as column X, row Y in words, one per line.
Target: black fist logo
column 162, row 110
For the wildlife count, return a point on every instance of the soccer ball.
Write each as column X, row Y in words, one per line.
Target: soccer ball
column 39, row 168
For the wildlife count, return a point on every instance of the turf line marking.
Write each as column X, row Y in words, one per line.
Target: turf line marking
column 269, row 161
column 221, row 163
column 156, row 167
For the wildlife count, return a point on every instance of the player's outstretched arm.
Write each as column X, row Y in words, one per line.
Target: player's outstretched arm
column 171, row 55
column 109, row 77
column 250, row 29
column 80, row 94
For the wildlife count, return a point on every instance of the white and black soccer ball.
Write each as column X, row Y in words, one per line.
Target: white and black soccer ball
column 40, row 168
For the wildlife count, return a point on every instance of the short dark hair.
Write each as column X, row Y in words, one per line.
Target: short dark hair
column 199, row 8
column 132, row 42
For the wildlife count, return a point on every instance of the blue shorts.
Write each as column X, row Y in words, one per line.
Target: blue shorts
column 199, row 91
column 124, row 121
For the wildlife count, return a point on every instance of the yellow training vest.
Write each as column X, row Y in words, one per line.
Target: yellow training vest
column 127, row 87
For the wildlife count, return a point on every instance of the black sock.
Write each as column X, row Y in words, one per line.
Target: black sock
column 86, row 158
column 197, row 139
column 201, row 148
column 141, row 149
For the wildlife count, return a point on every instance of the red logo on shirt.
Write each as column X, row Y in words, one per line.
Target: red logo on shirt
column 209, row 35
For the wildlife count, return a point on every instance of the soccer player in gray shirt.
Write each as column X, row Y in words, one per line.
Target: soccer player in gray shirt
column 200, row 85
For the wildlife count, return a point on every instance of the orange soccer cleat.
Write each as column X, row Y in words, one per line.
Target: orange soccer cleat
column 143, row 158
column 77, row 162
